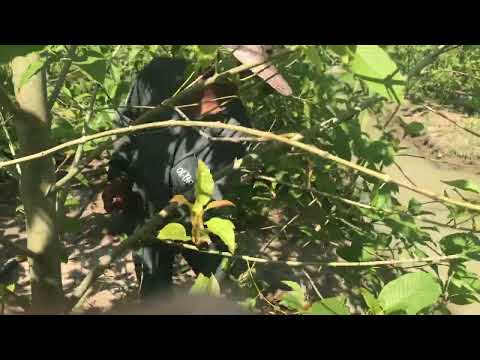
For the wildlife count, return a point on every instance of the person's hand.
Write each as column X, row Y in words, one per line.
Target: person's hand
column 116, row 195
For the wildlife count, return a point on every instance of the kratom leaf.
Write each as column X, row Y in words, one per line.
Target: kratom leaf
column 330, row 306
column 411, row 293
column 174, row 232
column 224, row 229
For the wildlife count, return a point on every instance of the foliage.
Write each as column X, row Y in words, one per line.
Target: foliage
column 452, row 80
column 329, row 81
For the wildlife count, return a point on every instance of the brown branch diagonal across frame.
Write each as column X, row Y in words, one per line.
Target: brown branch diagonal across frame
column 257, row 133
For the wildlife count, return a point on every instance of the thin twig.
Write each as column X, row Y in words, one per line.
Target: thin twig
column 313, row 284
column 259, row 292
column 74, row 168
column 10, row 143
column 474, row 133
column 335, row 264
column 404, row 174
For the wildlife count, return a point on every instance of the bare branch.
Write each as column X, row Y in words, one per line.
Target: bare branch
column 257, row 133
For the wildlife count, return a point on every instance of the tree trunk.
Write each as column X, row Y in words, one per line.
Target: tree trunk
column 33, row 129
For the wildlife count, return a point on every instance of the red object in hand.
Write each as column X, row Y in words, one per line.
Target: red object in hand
column 116, row 194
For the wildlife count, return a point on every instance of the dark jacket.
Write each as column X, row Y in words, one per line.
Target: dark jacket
column 162, row 163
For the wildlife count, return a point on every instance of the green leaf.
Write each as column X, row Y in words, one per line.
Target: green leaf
column 330, row 306
column 403, row 224
column 10, row 287
column 208, row 49
column 72, row 201
column 375, row 67
column 295, row 299
column 204, row 185
column 224, row 229
column 380, row 151
column 174, row 232
column 415, row 129
column 311, row 52
column 466, row 185
column 461, row 243
column 464, row 286
column 8, row 52
column 62, row 130
column 95, row 66
column 371, row 302
column 205, row 285
column 383, row 198
column 411, row 293
column 414, row 206
column 5, row 289
column 31, row 71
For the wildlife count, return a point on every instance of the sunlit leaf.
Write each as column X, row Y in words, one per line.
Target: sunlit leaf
column 174, row 232
column 411, row 293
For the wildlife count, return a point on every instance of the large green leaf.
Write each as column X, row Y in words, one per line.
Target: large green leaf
column 330, row 306
column 224, row 229
column 206, row 285
column 204, row 185
column 173, row 231
column 411, row 293
column 374, row 66
column 8, row 52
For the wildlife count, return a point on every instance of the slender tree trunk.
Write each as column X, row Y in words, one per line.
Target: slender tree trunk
column 33, row 129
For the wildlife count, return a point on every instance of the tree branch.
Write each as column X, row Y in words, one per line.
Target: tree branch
column 61, row 77
column 294, row 263
column 257, row 133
